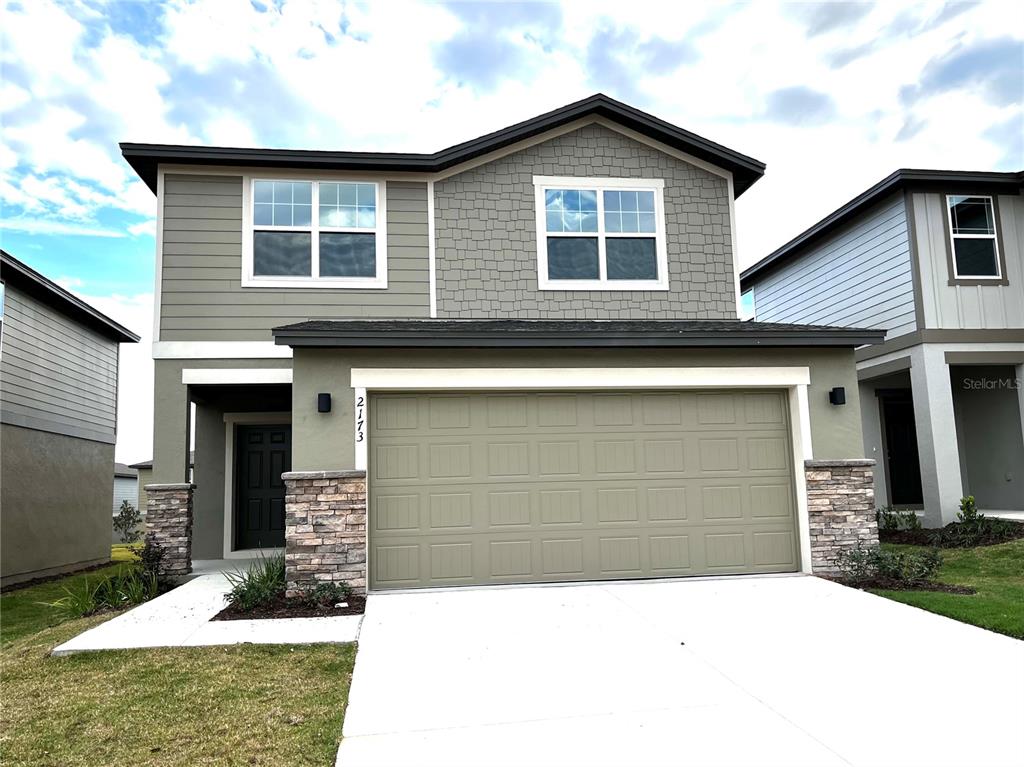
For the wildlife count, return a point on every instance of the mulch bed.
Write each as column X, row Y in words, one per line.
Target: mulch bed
column 889, row 584
column 292, row 608
column 926, row 537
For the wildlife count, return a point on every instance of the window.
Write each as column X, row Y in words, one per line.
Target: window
column 972, row 235
column 601, row 234
column 747, row 310
column 315, row 234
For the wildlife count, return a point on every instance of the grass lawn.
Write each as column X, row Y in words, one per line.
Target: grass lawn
column 997, row 572
column 243, row 705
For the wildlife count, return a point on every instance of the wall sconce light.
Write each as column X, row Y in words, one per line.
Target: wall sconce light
column 323, row 402
column 837, row 396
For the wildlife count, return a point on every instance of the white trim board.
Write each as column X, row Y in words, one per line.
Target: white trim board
column 230, row 421
column 579, row 378
column 236, row 376
column 214, row 350
column 431, row 250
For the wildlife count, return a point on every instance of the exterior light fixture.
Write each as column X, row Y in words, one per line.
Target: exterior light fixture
column 323, row 402
column 837, row 396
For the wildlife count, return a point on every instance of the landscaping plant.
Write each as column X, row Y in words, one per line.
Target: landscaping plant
column 890, row 520
column 973, row 528
column 260, row 584
column 127, row 522
column 127, row 587
column 327, row 595
column 869, row 564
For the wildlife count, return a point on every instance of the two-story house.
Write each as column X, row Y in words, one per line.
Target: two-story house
column 514, row 360
column 935, row 259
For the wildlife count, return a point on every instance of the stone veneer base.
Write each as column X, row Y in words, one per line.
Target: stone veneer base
column 325, row 529
column 841, row 509
column 169, row 525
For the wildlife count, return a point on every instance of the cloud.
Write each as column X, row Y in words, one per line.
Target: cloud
column 1009, row 135
column 990, row 67
column 799, row 105
column 143, row 228
column 47, row 226
column 618, row 60
column 827, row 17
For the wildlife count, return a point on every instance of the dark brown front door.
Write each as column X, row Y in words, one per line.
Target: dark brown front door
column 901, row 451
column 262, row 454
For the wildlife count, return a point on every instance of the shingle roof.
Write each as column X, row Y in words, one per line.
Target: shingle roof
column 566, row 333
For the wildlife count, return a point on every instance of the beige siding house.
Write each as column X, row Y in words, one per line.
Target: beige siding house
column 58, row 415
column 514, row 360
column 936, row 260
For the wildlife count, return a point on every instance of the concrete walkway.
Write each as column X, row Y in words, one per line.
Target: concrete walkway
column 743, row 671
column 181, row 618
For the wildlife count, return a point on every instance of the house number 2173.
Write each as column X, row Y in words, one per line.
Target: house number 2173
column 360, row 419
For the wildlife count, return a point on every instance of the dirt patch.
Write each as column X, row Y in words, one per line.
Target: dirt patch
column 890, row 584
column 292, row 608
column 945, row 537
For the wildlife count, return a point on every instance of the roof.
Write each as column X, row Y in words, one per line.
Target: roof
column 980, row 182
column 145, row 158
column 24, row 277
column 124, row 470
column 566, row 333
column 148, row 464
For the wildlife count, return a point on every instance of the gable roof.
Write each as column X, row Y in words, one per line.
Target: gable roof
column 124, row 470
column 979, row 182
column 24, row 277
column 144, row 158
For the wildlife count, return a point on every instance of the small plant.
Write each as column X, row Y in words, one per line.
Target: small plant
column 891, row 520
column 129, row 586
column 969, row 514
column 973, row 528
column 151, row 558
column 127, row 522
column 875, row 563
column 326, row 595
column 260, row 584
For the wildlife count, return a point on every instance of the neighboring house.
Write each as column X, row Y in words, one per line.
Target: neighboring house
column 530, row 343
column 935, row 259
column 58, row 414
column 145, row 475
column 126, row 488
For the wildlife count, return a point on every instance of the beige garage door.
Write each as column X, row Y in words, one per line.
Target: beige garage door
column 486, row 488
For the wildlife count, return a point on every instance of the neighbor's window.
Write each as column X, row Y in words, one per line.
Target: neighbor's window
column 605, row 234
column 316, row 233
column 972, row 230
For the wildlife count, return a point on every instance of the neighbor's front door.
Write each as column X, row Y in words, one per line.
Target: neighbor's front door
column 262, row 454
column 901, row 448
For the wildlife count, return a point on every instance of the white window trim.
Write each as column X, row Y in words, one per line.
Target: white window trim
column 249, row 280
column 541, row 183
column 953, row 237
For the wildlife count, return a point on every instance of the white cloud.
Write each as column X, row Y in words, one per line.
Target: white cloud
column 49, row 226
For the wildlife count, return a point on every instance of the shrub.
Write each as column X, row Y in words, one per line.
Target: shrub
column 327, row 595
column 128, row 586
column 875, row 563
column 127, row 523
column 891, row 520
column 260, row 584
column 973, row 528
column 151, row 558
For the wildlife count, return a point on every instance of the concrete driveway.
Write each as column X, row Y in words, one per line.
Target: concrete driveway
column 743, row 671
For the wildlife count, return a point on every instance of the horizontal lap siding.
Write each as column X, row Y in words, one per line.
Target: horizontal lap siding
column 859, row 277
column 202, row 298
column 56, row 375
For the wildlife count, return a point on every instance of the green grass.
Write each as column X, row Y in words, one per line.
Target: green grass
column 243, row 705
column 997, row 572
column 124, row 552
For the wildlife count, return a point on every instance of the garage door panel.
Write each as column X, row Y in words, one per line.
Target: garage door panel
column 508, row 488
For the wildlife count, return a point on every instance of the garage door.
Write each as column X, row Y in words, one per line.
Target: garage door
column 490, row 488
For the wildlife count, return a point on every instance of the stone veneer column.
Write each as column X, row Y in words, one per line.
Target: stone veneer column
column 169, row 525
column 325, row 529
column 841, row 507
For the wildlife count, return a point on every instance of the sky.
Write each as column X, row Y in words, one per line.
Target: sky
column 832, row 96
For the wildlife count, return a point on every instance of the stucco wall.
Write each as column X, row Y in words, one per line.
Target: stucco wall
column 486, row 235
column 54, row 502
column 325, row 441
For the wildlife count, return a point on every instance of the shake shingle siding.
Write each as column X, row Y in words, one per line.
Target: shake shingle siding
column 487, row 235
column 202, row 298
column 859, row 276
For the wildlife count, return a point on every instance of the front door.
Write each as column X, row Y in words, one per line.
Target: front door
column 262, row 454
column 901, row 451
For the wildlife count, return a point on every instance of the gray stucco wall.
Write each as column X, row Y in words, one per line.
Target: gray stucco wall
column 202, row 298
column 54, row 502
column 486, row 235
column 325, row 441
column 55, row 374
column 208, row 476
column 860, row 276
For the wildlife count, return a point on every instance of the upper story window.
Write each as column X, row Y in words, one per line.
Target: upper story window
column 747, row 310
column 601, row 234
column 306, row 233
column 972, row 234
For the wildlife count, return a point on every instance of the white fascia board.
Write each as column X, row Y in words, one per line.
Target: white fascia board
column 214, row 350
column 236, row 376
column 579, row 378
